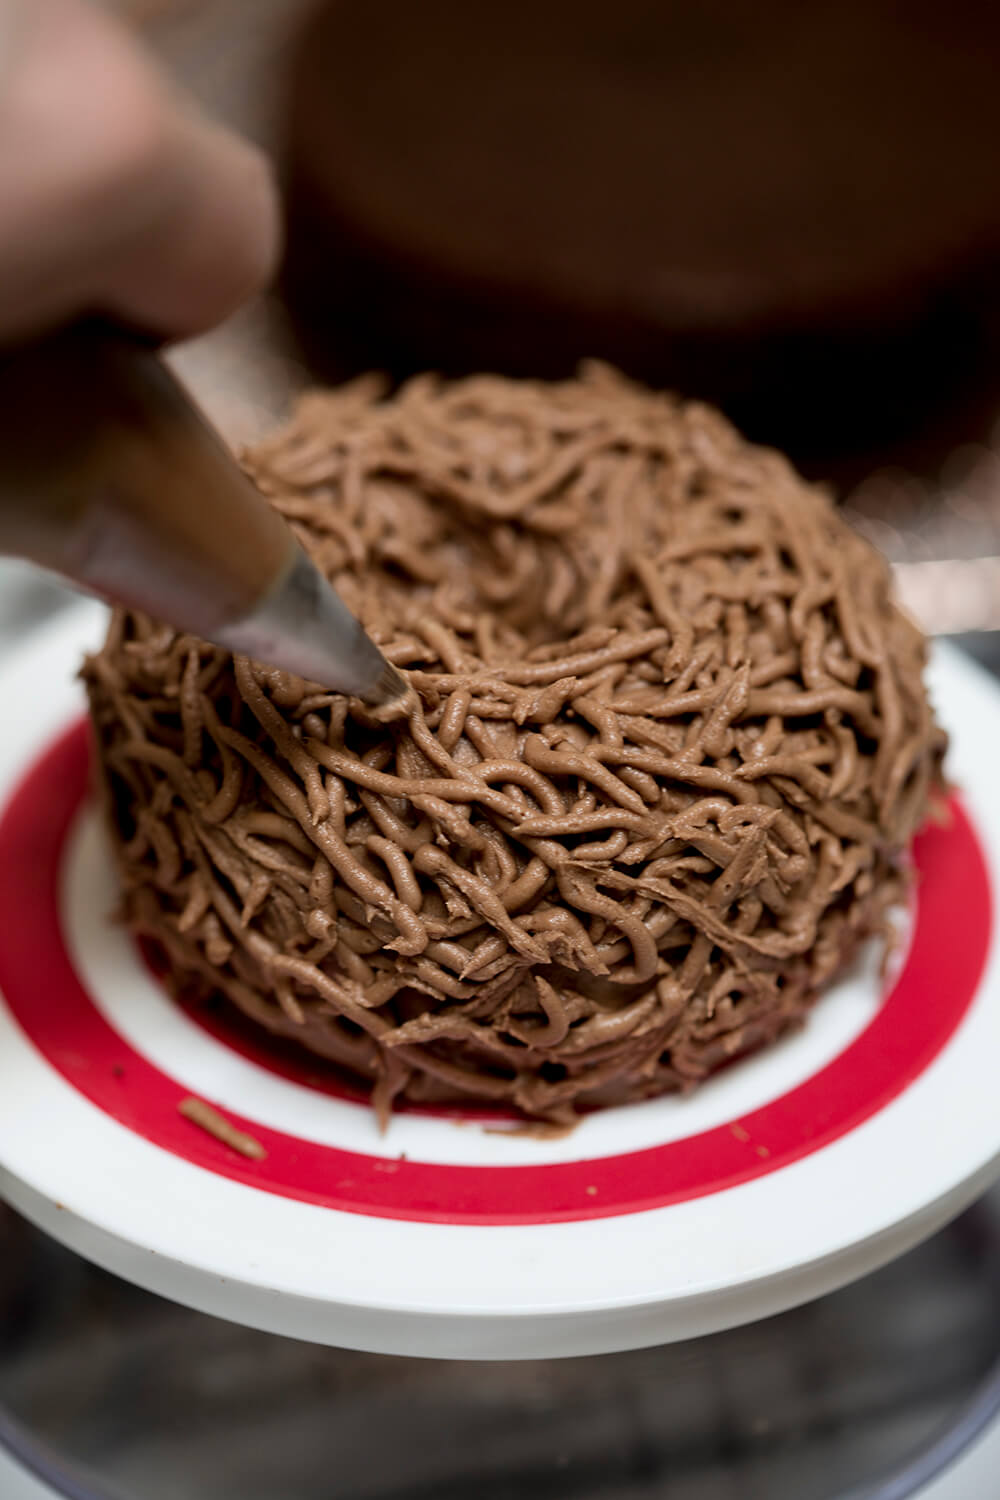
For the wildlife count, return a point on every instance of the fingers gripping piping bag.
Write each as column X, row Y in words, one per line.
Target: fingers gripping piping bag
column 666, row 745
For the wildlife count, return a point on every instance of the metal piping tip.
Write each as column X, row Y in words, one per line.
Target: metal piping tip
column 391, row 685
column 302, row 626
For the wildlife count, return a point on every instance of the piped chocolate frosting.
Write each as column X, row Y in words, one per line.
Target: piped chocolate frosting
column 666, row 743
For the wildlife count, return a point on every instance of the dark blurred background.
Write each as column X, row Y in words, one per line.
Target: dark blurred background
column 789, row 210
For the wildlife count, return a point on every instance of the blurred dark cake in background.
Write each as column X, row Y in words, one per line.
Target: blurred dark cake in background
column 792, row 211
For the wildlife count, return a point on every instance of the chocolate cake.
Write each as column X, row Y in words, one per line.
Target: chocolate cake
column 789, row 210
column 666, row 743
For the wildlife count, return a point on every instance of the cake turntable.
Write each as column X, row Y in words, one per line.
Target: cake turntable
column 796, row 1172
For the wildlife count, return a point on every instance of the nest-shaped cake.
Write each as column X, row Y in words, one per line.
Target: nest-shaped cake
column 667, row 746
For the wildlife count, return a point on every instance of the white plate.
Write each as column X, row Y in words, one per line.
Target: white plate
column 783, row 1178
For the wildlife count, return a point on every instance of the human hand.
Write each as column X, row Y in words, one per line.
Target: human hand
column 117, row 196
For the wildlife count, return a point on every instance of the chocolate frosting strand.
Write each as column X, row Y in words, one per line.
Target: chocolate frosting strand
column 666, row 743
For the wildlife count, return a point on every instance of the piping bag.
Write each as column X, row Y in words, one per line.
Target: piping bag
column 111, row 477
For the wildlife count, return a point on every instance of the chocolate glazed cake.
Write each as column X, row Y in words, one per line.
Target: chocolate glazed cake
column 665, row 746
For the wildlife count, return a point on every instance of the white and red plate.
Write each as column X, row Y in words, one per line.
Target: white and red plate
column 780, row 1179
